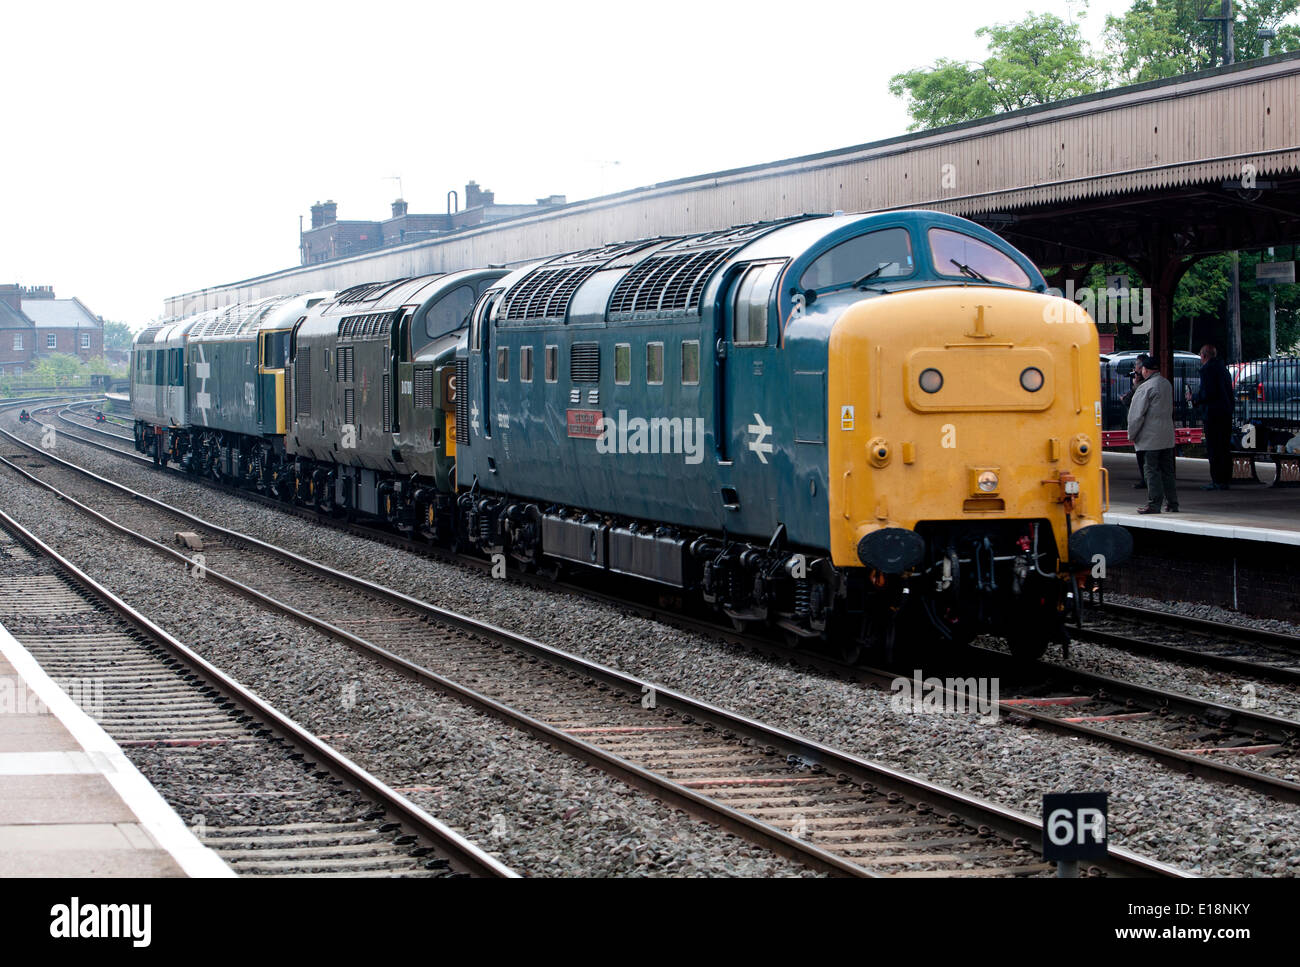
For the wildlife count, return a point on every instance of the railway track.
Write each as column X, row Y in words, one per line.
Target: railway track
column 162, row 703
column 1192, row 735
column 833, row 811
column 1253, row 652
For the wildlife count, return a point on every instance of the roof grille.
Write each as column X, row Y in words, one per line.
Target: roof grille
column 668, row 282
column 584, row 362
column 545, row 293
column 368, row 292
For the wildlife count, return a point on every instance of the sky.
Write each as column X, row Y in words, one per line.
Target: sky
column 155, row 148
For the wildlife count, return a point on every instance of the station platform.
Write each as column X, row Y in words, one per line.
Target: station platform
column 1247, row 512
column 71, row 803
column 1237, row 549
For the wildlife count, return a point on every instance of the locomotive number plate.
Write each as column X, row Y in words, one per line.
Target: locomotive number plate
column 584, row 424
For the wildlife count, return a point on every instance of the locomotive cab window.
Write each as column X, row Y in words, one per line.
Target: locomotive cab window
column 623, row 363
column 450, row 312
column 503, row 364
column 552, row 363
column 753, row 299
column 886, row 254
column 962, row 256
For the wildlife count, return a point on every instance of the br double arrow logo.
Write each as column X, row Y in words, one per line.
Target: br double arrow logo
column 760, row 431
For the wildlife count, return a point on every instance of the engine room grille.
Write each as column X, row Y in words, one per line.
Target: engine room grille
column 343, row 364
column 302, row 382
column 388, row 403
column 462, row 402
column 423, row 389
column 665, row 283
column 545, row 293
column 584, row 362
column 349, row 407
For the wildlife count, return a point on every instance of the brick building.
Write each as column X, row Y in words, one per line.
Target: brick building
column 33, row 323
column 328, row 238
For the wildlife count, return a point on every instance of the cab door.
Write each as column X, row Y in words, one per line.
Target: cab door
column 272, row 360
column 748, row 428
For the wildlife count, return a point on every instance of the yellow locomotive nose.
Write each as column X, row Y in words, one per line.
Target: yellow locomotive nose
column 989, row 401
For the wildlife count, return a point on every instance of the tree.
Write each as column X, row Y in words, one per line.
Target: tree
column 58, row 367
column 1038, row 60
column 117, row 335
column 1164, row 38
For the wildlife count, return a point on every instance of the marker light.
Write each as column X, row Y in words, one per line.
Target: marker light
column 1031, row 379
column 988, row 482
column 931, row 380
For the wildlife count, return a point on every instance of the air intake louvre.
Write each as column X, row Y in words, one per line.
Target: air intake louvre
column 545, row 293
column 668, row 282
column 367, row 292
column 423, row 389
column 462, row 402
column 349, row 407
column 302, row 382
column 388, row 403
column 584, row 362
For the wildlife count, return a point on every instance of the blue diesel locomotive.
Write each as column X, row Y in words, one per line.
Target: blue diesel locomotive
column 847, row 426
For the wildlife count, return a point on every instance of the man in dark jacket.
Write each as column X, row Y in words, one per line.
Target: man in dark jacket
column 1215, row 395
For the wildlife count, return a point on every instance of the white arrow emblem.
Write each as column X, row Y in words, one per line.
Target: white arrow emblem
column 761, row 432
column 474, row 412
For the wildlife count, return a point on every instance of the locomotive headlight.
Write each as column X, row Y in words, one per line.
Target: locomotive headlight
column 1031, row 379
column 987, row 482
column 931, row 380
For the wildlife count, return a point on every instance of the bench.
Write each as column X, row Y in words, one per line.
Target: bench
column 1286, row 467
column 1183, row 436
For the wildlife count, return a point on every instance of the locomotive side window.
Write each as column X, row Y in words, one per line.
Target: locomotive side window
column 691, row 362
column 552, row 363
column 450, row 312
column 752, row 301
column 962, row 256
column 503, row 364
column 886, row 253
column 654, row 363
column 623, row 363
column 525, row 364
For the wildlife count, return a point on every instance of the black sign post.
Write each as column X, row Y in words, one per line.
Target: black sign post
column 1074, row 828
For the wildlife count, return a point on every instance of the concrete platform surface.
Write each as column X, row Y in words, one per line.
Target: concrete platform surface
column 1247, row 512
column 71, row 803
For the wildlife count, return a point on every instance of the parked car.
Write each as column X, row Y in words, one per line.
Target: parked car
column 1117, row 379
column 1268, row 392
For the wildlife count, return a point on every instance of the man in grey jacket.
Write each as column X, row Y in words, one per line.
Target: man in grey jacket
column 1151, row 428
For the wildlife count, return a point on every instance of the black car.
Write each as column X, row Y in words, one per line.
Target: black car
column 1117, row 380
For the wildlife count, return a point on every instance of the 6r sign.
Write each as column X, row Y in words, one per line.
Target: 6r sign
column 1074, row 826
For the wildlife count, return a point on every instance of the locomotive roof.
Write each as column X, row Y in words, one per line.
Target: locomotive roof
column 671, row 276
column 381, row 296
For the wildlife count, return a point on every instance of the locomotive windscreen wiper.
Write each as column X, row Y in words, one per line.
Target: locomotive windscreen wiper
column 968, row 271
column 872, row 274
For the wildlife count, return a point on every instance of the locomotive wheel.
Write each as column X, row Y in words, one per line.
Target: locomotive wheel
column 1028, row 644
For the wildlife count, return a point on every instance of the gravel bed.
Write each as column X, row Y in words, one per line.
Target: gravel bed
column 1208, row 612
column 540, row 811
column 1202, row 826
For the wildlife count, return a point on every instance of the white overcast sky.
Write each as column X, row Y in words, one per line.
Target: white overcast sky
column 151, row 149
